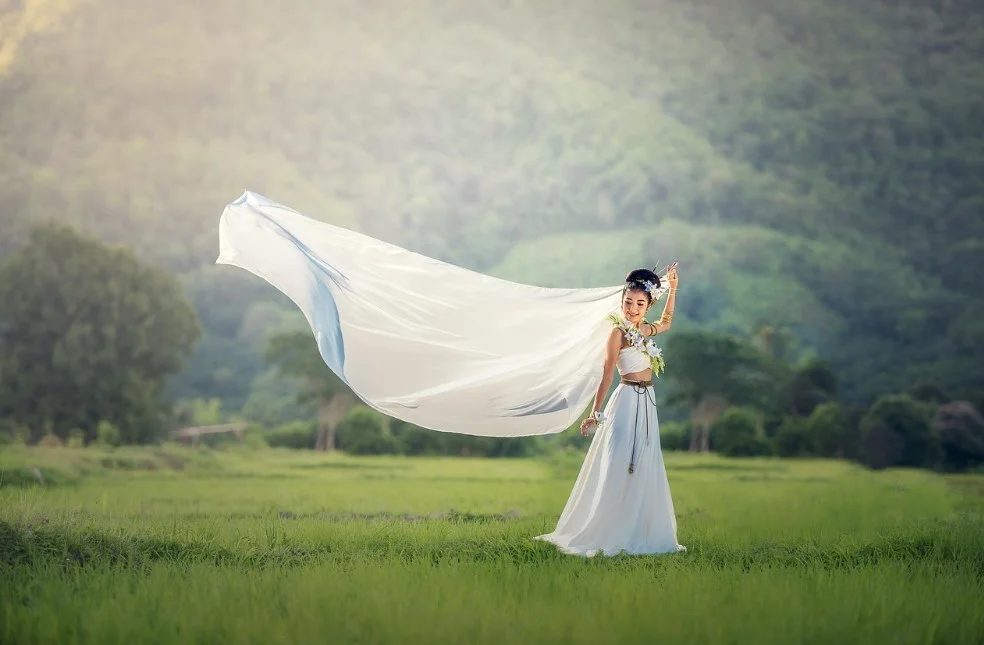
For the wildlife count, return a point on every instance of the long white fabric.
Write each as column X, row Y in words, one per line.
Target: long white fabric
column 421, row 340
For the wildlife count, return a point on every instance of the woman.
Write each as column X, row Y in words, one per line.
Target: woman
column 621, row 500
column 453, row 350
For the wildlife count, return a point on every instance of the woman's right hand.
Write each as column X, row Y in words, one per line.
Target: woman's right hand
column 587, row 423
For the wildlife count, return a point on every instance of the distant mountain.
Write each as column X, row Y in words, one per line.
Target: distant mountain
column 813, row 163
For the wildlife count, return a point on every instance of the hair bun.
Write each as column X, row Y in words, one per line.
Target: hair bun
column 642, row 276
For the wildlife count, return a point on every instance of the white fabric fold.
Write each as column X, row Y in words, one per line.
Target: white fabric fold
column 421, row 340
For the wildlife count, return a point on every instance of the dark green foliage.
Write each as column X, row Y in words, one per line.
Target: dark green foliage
column 88, row 334
column 713, row 371
column 928, row 392
column 707, row 364
column 298, row 435
column 809, row 386
column 296, row 356
column 674, row 435
column 793, row 439
column 469, row 446
column 417, row 441
column 831, row 432
column 734, row 434
column 896, row 432
column 365, row 432
column 959, row 427
column 108, row 434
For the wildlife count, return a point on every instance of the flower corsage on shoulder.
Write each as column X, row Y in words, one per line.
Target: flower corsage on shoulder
column 645, row 344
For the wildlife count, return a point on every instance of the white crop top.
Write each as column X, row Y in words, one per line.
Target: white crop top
column 632, row 360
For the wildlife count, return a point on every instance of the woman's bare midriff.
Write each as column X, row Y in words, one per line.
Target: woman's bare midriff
column 645, row 375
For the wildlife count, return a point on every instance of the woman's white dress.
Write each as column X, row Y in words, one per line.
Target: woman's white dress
column 611, row 510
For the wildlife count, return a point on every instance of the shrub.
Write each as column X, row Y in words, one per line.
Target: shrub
column 296, row 435
column 363, row 431
column 831, row 432
column 76, row 438
column 674, row 435
column 896, row 432
column 51, row 440
column 254, row 439
column 108, row 434
column 417, row 440
column 793, row 438
column 734, row 435
column 959, row 428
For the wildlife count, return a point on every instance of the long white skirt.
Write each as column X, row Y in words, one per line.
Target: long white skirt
column 610, row 509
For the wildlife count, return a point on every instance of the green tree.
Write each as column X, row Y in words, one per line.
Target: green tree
column 928, row 392
column 710, row 373
column 807, row 387
column 295, row 354
column 792, row 438
column 88, row 333
column 364, row 431
column 735, row 434
column 896, row 432
column 830, row 431
column 959, row 427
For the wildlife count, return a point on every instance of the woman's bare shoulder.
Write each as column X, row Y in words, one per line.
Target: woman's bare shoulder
column 616, row 335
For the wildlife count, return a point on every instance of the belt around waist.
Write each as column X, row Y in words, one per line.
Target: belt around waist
column 648, row 383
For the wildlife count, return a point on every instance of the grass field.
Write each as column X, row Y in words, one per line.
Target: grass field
column 193, row 546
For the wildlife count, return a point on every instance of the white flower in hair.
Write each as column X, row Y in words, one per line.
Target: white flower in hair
column 652, row 288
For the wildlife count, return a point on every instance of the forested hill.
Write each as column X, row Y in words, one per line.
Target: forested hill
column 814, row 164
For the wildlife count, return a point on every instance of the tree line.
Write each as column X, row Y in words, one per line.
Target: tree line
column 737, row 397
column 842, row 183
column 89, row 335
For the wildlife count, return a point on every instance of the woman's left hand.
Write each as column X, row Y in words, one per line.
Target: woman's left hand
column 671, row 275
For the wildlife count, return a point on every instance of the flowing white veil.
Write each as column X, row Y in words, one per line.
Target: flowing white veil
column 421, row 340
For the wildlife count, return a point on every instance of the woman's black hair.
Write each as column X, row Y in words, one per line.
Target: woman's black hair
column 637, row 279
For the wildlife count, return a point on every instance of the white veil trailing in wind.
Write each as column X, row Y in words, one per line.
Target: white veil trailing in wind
column 421, row 340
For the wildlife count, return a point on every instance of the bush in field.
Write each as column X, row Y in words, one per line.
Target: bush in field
column 959, row 427
column 792, row 438
column 831, row 432
column 51, row 440
column 76, row 439
column 734, row 434
column 896, row 432
column 416, row 440
column 255, row 439
column 108, row 434
column 364, row 431
column 296, row 435
column 674, row 435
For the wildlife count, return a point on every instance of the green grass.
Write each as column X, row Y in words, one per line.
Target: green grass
column 183, row 546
